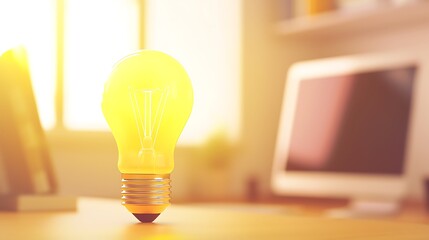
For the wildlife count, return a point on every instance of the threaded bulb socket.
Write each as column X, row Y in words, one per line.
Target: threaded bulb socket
column 145, row 193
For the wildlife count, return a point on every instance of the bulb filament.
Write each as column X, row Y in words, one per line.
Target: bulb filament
column 148, row 122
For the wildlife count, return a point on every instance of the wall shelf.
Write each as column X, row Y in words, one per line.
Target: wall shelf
column 340, row 23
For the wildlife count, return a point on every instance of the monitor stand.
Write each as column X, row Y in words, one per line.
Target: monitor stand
column 364, row 208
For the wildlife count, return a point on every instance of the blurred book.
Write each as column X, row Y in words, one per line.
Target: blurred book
column 315, row 7
column 26, row 169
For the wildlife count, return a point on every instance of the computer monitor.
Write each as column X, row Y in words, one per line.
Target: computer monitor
column 343, row 127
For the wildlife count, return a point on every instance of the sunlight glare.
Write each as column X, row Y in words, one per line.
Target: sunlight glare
column 33, row 26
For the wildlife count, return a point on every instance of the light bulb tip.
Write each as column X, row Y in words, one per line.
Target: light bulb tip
column 145, row 217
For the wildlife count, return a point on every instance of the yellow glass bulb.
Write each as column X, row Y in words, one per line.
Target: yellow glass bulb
column 147, row 100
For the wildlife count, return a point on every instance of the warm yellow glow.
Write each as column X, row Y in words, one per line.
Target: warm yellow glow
column 147, row 101
column 94, row 34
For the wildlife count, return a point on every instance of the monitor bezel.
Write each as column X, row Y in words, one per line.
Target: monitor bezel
column 329, row 184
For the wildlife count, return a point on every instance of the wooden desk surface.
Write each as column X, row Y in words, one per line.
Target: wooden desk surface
column 107, row 219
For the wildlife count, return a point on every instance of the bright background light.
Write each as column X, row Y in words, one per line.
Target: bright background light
column 204, row 35
column 97, row 34
column 205, row 38
column 32, row 24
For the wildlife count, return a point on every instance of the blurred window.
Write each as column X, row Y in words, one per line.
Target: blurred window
column 97, row 33
column 73, row 45
column 204, row 35
column 32, row 24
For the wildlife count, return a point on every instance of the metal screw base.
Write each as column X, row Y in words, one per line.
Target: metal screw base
column 145, row 193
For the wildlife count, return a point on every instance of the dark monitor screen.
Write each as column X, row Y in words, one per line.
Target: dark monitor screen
column 352, row 123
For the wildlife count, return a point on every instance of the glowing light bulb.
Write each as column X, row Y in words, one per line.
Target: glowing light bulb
column 147, row 100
